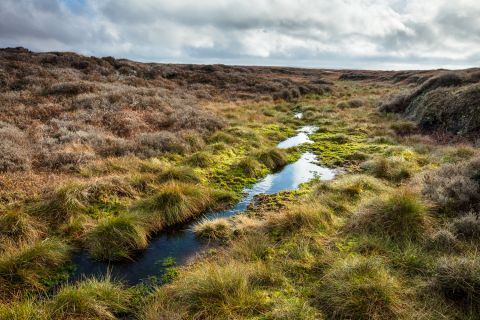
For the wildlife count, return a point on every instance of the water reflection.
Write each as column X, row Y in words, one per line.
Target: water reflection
column 300, row 138
column 181, row 244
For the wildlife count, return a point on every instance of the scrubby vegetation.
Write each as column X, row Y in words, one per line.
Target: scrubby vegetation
column 101, row 155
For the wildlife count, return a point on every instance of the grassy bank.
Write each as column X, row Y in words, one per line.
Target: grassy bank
column 395, row 235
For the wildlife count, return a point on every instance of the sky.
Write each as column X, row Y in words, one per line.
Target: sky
column 356, row 34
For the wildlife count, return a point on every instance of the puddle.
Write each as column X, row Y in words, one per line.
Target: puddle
column 300, row 138
column 181, row 243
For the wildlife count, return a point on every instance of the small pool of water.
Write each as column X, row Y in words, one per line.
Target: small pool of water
column 181, row 243
column 299, row 115
column 300, row 138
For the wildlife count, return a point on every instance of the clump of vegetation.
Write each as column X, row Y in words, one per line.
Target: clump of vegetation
column 400, row 216
column 19, row 227
column 174, row 203
column 22, row 310
column 458, row 279
column 181, row 174
column 117, row 237
column 394, row 169
column 467, row 227
column 217, row 229
column 443, row 240
column 200, row 159
column 272, row 158
column 214, row 291
column 25, row 267
column 309, row 216
column 454, row 188
column 90, row 299
column 404, row 127
column 359, row 288
column 250, row 167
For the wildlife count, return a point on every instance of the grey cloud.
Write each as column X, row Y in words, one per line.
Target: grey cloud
column 316, row 33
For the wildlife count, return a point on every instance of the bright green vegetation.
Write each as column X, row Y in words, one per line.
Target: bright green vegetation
column 393, row 236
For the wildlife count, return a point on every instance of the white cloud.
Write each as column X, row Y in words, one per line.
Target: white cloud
column 316, row 33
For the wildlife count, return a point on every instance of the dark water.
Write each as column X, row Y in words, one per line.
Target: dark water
column 181, row 243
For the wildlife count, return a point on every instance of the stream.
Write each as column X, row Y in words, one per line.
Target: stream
column 181, row 244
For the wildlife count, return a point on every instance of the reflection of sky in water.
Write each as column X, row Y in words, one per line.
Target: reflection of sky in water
column 181, row 244
column 300, row 138
column 299, row 115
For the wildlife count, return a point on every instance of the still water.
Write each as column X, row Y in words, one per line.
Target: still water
column 181, row 244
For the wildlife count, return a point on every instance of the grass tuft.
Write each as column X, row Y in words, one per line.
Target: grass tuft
column 27, row 266
column 400, row 216
column 117, row 238
column 458, row 279
column 181, row 174
column 360, row 288
column 90, row 299
column 217, row 229
column 272, row 158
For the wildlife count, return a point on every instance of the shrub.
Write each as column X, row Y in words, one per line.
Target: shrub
column 458, row 279
column 26, row 266
column 404, row 127
column 394, row 169
column 444, row 241
column 14, row 154
column 454, row 188
column 90, row 299
column 467, row 227
column 152, row 144
column 272, row 158
column 217, row 229
column 400, row 216
column 360, row 288
column 356, row 103
column 342, row 105
column 69, row 88
column 117, row 238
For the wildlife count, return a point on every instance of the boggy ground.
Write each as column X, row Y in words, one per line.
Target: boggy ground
column 395, row 235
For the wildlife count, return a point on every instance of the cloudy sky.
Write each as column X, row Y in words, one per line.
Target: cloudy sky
column 367, row 34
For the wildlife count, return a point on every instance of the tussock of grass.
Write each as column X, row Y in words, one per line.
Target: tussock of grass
column 217, row 229
column 200, row 159
column 395, row 169
column 22, row 310
column 399, row 216
column 213, row 291
column 117, row 238
column 74, row 199
column 175, row 203
column 18, row 227
column 90, row 299
column 458, row 279
column 309, row 216
column 353, row 185
column 25, row 267
column 359, row 288
column 181, row 174
column 250, row 167
column 272, row 158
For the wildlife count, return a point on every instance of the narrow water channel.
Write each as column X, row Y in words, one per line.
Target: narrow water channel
column 181, row 244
